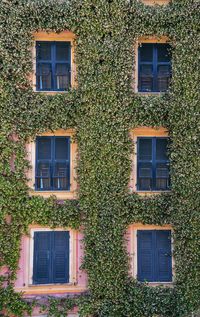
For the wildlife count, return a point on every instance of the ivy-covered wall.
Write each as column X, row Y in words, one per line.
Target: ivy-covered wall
column 102, row 110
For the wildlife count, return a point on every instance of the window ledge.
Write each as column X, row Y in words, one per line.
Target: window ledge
column 166, row 284
column 50, row 289
column 54, row 285
column 140, row 93
column 148, row 193
column 53, row 92
column 59, row 194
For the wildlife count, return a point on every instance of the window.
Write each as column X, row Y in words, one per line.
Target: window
column 51, row 257
column 52, row 163
column 154, row 67
column 53, row 66
column 152, row 164
column 154, row 258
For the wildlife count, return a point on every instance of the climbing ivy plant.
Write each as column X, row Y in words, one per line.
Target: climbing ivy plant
column 102, row 110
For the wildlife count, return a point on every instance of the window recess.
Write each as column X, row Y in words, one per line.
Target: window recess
column 154, row 67
column 152, row 164
column 52, row 163
column 51, row 257
column 53, row 66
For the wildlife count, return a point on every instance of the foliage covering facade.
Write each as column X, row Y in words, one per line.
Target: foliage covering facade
column 102, row 110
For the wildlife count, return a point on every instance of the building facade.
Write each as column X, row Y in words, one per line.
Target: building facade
column 100, row 158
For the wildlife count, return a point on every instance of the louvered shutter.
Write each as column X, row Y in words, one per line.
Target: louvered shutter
column 162, row 164
column 43, row 164
column 146, row 67
column 41, row 258
column 145, row 255
column 163, row 256
column 60, row 257
column 62, row 163
column 144, row 162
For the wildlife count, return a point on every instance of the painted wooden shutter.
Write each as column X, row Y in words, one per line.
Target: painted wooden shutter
column 154, row 255
column 43, row 163
column 62, row 163
column 144, row 162
column 146, row 67
column 161, row 164
column 145, row 255
column 44, row 66
column 163, row 256
column 60, row 257
column 41, row 258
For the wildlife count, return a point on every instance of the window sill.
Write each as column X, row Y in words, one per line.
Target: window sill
column 165, row 284
column 54, row 285
column 50, row 289
column 53, row 92
column 148, row 193
column 140, row 93
column 59, row 194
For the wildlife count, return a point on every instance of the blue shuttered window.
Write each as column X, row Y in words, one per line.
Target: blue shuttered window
column 154, row 67
column 152, row 164
column 52, row 163
column 51, row 257
column 154, row 255
column 53, row 66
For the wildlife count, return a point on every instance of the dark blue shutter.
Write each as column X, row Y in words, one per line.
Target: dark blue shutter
column 144, row 164
column 154, row 255
column 51, row 257
column 145, row 67
column 41, row 258
column 145, row 255
column 60, row 257
column 161, row 164
column 62, row 163
column 44, row 66
column 163, row 256
column 43, row 163
column 63, row 65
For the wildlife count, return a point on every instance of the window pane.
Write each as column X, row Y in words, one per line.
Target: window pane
column 43, row 51
column 162, row 177
column 163, row 77
column 43, row 176
column 44, row 148
column 61, row 148
column 61, row 176
column 163, row 52
column 161, row 149
column 44, row 80
column 145, row 149
column 146, row 53
column 62, row 76
column 145, row 176
column 146, row 78
column 62, row 51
